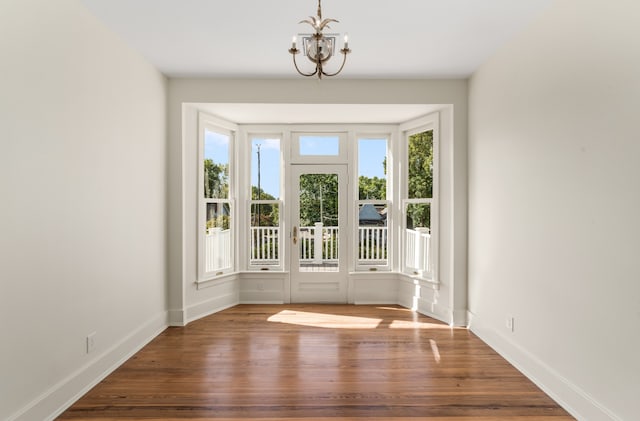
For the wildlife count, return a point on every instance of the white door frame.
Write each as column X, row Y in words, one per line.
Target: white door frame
column 323, row 286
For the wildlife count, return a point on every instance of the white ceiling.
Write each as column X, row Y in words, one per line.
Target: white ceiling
column 250, row 38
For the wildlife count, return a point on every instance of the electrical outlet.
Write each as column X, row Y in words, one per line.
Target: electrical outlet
column 510, row 323
column 91, row 342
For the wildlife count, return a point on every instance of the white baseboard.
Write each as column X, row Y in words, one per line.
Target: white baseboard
column 176, row 317
column 212, row 306
column 374, row 303
column 262, row 302
column 460, row 318
column 62, row 395
column 568, row 395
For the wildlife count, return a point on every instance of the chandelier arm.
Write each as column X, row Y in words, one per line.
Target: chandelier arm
column 344, row 60
column 298, row 69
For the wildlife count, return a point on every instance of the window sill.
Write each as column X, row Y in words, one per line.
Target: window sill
column 418, row 280
column 262, row 272
column 216, row 280
column 379, row 272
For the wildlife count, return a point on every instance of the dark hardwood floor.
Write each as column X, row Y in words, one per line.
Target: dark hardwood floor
column 321, row 362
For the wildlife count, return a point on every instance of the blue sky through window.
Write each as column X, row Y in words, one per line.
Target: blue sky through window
column 371, row 154
column 269, row 165
column 216, row 147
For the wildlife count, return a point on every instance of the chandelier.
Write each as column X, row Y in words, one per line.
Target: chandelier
column 318, row 47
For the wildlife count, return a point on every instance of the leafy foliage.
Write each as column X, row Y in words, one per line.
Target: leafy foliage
column 373, row 188
column 420, row 180
column 264, row 215
column 216, row 180
column 218, row 215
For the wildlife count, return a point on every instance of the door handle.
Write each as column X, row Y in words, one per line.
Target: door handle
column 295, row 235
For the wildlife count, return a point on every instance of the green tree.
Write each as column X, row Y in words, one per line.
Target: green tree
column 373, row 188
column 318, row 199
column 263, row 195
column 216, row 180
column 264, row 215
column 420, row 181
column 218, row 215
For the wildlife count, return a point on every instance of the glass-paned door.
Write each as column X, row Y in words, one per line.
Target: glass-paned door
column 319, row 236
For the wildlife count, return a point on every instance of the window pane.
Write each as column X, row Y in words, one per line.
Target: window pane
column 216, row 165
column 318, row 232
column 418, row 215
column 265, row 169
column 420, row 180
column 265, row 234
column 319, row 145
column 372, row 169
column 217, row 246
column 418, row 237
column 372, row 234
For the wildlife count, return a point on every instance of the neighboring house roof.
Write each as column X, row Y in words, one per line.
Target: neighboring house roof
column 369, row 213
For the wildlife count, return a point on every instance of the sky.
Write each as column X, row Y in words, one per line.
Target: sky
column 371, row 153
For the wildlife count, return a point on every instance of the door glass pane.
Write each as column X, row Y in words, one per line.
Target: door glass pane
column 318, row 236
column 217, row 245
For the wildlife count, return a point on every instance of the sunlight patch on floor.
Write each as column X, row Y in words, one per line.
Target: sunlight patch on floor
column 395, row 309
column 435, row 350
column 329, row 321
column 407, row 324
column 338, row 321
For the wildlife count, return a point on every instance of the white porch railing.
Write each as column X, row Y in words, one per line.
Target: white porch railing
column 418, row 253
column 265, row 248
column 318, row 244
column 372, row 245
column 217, row 249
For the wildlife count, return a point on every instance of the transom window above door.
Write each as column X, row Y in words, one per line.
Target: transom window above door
column 319, row 148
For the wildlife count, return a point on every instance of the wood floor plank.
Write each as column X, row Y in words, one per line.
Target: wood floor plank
column 316, row 362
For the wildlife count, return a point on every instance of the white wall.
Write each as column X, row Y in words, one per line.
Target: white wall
column 82, row 213
column 554, row 194
column 186, row 300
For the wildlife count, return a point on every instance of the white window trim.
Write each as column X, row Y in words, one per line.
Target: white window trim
column 282, row 234
column 250, row 133
column 213, row 124
column 356, row 237
column 422, row 124
column 387, row 134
